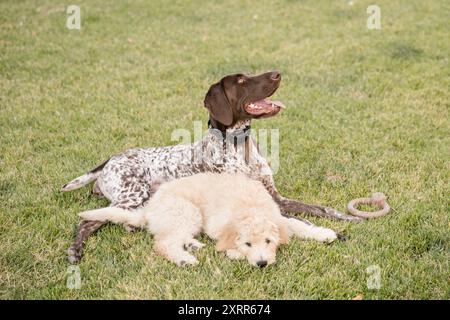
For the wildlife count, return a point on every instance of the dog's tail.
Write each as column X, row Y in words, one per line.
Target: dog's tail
column 116, row 215
column 84, row 179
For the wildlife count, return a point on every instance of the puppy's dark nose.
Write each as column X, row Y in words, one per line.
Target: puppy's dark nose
column 261, row 263
column 275, row 76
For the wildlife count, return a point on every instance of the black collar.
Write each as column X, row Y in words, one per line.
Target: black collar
column 236, row 136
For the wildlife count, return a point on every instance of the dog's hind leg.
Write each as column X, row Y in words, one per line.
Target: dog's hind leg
column 85, row 229
column 88, row 227
column 97, row 191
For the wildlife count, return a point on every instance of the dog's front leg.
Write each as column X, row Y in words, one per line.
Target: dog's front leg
column 295, row 206
column 306, row 230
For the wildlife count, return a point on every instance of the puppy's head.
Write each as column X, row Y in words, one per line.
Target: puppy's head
column 255, row 237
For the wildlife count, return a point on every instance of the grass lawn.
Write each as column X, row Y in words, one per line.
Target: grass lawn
column 367, row 110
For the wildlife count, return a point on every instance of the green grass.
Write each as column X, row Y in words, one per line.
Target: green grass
column 367, row 111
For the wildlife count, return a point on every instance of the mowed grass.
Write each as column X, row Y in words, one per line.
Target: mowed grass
column 367, row 110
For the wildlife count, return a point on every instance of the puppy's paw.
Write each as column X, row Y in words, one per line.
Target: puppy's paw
column 187, row 260
column 193, row 245
column 130, row 228
column 325, row 235
column 234, row 254
column 341, row 237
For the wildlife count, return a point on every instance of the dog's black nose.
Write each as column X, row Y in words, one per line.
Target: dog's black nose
column 275, row 76
column 261, row 263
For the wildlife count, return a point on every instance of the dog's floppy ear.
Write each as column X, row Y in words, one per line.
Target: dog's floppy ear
column 218, row 105
column 227, row 238
column 283, row 233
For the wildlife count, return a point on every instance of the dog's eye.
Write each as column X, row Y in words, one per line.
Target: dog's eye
column 241, row 80
column 248, row 244
column 267, row 241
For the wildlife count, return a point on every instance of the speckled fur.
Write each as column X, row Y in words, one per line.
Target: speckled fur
column 127, row 178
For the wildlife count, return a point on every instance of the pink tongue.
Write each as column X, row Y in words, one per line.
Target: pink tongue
column 267, row 104
column 263, row 106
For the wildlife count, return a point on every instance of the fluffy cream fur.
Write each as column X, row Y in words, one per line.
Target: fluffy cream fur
column 234, row 210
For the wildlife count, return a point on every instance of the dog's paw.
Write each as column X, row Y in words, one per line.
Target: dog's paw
column 187, row 260
column 73, row 255
column 325, row 235
column 130, row 228
column 341, row 237
column 234, row 254
column 193, row 245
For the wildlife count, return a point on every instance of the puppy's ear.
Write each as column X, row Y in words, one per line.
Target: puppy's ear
column 283, row 233
column 218, row 105
column 227, row 238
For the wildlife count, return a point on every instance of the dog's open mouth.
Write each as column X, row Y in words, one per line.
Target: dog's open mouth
column 264, row 107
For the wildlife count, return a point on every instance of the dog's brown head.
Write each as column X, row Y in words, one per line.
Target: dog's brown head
column 241, row 97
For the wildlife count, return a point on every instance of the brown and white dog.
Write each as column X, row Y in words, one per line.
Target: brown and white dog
column 234, row 210
column 126, row 179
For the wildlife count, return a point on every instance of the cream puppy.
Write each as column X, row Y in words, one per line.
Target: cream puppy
column 234, row 210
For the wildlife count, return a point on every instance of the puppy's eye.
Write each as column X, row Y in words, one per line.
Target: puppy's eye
column 241, row 80
column 267, row 241
column 248, row 244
